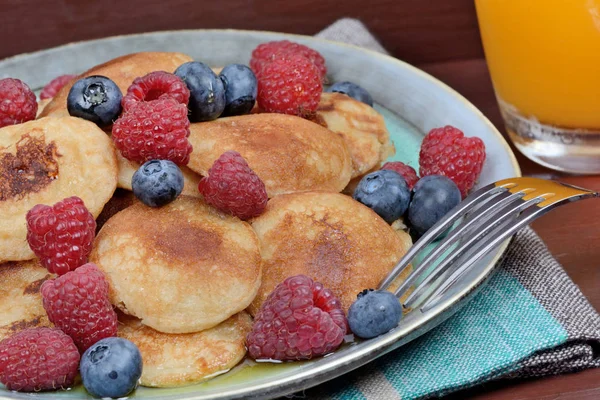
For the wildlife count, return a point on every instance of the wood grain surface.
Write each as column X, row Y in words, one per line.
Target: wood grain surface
column 439, row 36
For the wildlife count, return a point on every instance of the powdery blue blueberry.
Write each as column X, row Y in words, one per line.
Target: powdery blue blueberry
column 241, row 88
column 157, row 182
column 111, row 368
column 433, row 196
column 385, row 192
column 95, row 98
column 374, row 313
column 207, row 93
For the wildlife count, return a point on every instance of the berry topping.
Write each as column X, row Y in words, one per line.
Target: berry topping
column 95, row 98
column 78, row 304
column 240, row 89
column 50, row 90
column 61, row 236
column 266, row 52
column 408, row 173
column 352, row 90
column 233, row 187
column 299, row 320
column 374, row 313
column 17, row 102
column 290, row 84
column 156, row 85
column 38, row 359
column 433, row 197
column 156, row 129
column 385, row 192
column 157, row 182
column 446, row 151
column 111, row 368
column 207, row 93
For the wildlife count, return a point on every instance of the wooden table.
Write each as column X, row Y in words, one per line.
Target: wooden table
column 439, row 36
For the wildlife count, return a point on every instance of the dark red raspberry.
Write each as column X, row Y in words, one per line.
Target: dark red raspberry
column 17, row 102
column 78, row 304
column 156, row 129
column 266, row 52
column 290, row 84
column 446, row 151
column 50, row 90
column 156, row 85
column 408, row 173
column 38, row 359
column 61, row 236
column 299, row 320
column 233, row 187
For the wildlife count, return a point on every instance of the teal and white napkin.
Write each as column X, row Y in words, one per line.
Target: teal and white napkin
column 530, row 320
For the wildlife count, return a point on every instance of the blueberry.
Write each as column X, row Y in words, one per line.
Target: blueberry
column 95, row 98
column 385, row 192
column 111, row 368
column 207, row 93
column 240, row 89
column 374, row 313
column 157, row 182
column 352, row 90
column 433, row 196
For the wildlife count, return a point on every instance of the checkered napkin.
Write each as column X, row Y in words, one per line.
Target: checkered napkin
column 530, row 320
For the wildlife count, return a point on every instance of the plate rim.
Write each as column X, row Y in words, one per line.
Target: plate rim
column 382, row 345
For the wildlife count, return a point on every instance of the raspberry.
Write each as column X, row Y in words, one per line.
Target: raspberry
column 78, row 304
column 17, row 102
column 61, row 236
column 50, row 90
column 233, row 187
column 266, row 52
column 156, row 129
column 156, row 85
column 38, row 359
column 446, row 151
column 408, row 173
column 290, row 84
column 299, row 320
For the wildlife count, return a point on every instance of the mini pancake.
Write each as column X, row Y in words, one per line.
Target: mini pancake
column 183, row 359
column 20, row 297
column 127, row 168
column 329, row 237
column 122, row 70
column 180, row 268
column 45, row 161
column 361, row 126
column 288, row 153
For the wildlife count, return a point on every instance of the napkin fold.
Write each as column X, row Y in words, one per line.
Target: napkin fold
column 530, row 320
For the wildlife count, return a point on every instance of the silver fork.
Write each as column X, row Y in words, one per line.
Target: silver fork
column 480, row 223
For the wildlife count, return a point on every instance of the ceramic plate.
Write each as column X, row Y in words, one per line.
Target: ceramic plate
column 412, row 103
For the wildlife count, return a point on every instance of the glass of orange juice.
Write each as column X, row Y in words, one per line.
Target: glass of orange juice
column 544, row 60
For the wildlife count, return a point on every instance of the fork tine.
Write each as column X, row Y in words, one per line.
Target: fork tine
column 462, row 263
column 481, row 215
column 480, row 196
column 500, row 214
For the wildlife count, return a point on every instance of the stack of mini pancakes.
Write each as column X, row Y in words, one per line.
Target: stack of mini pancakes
column 186, row 278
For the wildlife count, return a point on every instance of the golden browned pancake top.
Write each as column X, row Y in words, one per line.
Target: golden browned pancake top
column 288, row 153
column 183, row 359
column 180, row 268
column 329, row 237
column 20, row 299
column 122, row 70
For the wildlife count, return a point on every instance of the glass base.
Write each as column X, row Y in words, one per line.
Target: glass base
column 562, row 149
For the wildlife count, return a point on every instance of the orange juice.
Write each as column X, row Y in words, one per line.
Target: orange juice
column 544, row 60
